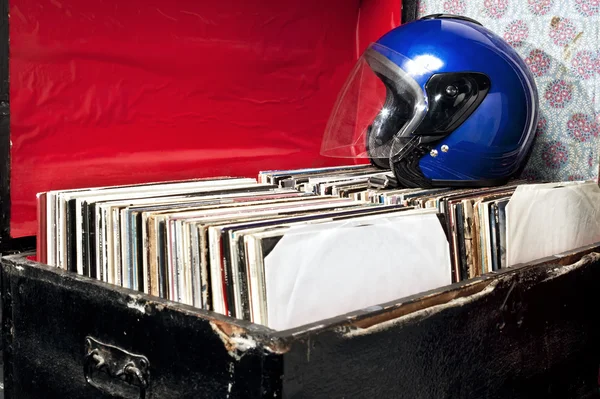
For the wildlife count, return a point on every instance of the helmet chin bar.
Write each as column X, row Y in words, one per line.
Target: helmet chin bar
column 407, row 171
column 405, row 164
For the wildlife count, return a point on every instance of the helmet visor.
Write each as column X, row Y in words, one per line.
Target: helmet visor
column 377, row 110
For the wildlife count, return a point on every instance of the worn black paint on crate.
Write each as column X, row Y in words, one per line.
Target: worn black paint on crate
column 50, row 313
column 528, row 332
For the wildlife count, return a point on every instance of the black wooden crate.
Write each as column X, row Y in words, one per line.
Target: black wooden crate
column 529, row 331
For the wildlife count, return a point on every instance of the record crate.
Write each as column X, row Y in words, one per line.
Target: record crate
column 530, row 330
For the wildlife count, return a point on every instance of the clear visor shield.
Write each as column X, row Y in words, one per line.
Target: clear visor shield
column 377, row 110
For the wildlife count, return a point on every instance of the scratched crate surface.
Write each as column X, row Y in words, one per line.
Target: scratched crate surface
column 532, row 331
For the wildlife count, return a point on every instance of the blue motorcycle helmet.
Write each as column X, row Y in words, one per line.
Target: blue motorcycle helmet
column 442, row 102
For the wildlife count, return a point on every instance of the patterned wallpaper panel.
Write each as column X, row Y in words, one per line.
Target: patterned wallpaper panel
column 560, row 41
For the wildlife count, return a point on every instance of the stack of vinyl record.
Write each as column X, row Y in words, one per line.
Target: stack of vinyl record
column 285, row 249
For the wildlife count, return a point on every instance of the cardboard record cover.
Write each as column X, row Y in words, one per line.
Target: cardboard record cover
column 218, row 278
column 476, row 235
column 255, row 246
column 158, row 240
column 41, row 246
column 134, row 243
column 452, row 216
column 480, row 240
column 502, row 231
column 54, row 224
column 467, row 206
column 375, row 196
column 144, row 246
column 460, row 257
column 316, row 184
column 484, row 244
column 123, row 242
column 483, row 205
column 54, row 220
column 62, row 197
column 463, row 201
column 494, row 241
column 142, row 250
column 212, row 269
column 487, row 238
column 125, row 207
column 461, row 220
column 294, row 177
column 396, row 196
column 218, row 251
column 167, row 266
column 328, row 184
column 429, row 200
column 487, row 210
column 70, row 217
column 216, row 205
column 452, row 206
column 458, row 214
column 457, row 206
column 232, row 244
column 415, row 197
column 300, row 180
column 356, row 192
column 267, row 176
column 334, row 188
column 160, row 194
column 226, row 253
column 496, row 231
column 261, row 247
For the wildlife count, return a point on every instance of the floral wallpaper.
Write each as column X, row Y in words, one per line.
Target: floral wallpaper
column 559, row 41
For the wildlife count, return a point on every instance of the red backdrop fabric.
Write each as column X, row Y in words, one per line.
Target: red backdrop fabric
column 116, row 92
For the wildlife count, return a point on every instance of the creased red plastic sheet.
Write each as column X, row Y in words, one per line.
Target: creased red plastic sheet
column 375, row 18
column 113, row 92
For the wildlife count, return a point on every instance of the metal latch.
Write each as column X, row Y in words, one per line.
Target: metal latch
column 115, row 371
